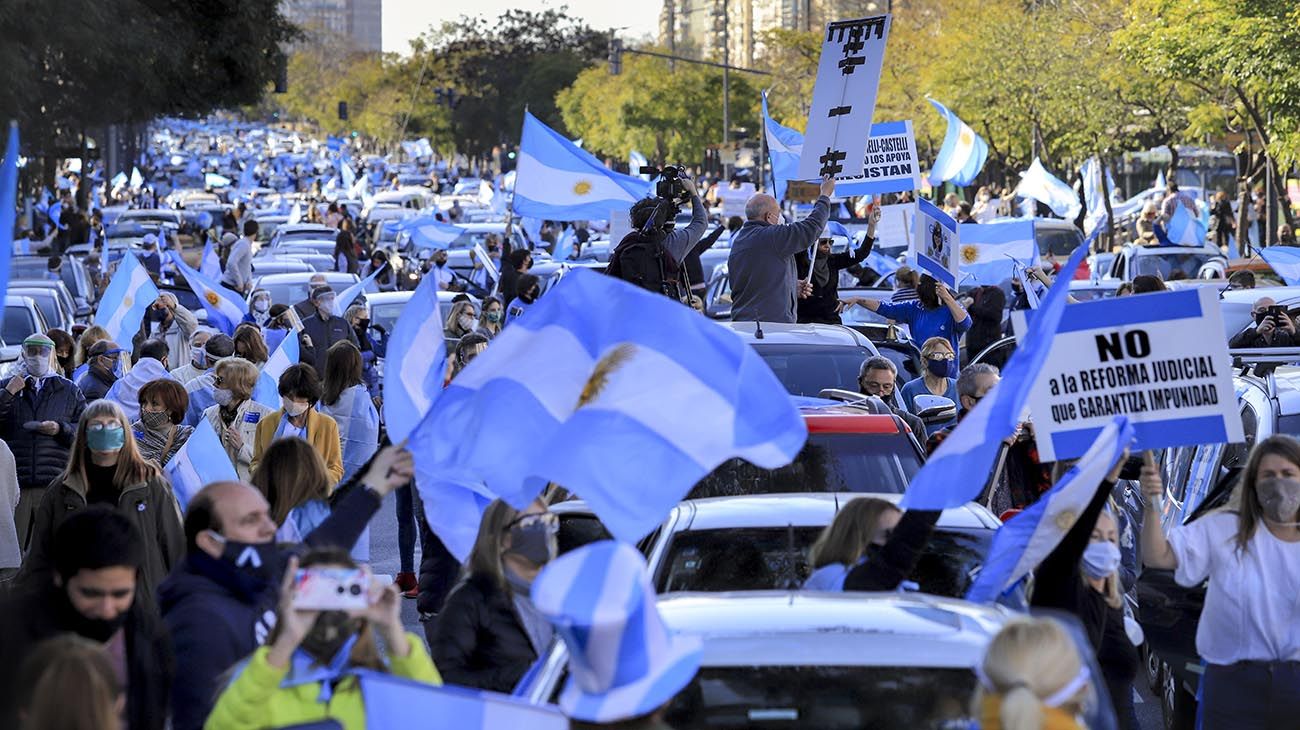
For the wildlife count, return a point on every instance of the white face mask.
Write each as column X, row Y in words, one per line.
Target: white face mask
column 37, row 365
column 222, row 396
column 293, row 409
column 1100, row 559
column 261, row 305
column 466, row 322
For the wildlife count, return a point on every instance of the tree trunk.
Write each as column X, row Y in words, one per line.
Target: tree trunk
column 1171, row 175
column 1105, row 199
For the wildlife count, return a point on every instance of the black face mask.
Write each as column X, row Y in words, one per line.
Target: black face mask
column 332, row 630
column 257, row 560
column 95, row 629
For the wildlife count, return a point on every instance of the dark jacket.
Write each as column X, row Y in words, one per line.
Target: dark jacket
column 217, row 616
column 1058, row 583
column 822, row 307
column 695, row 273
column 479, row 641
column 43, row 611
column 323, row 335
column 985, row 311
column 761, row 268
column 148, row 504
column 1250, row 338
column 40, row 459
column 94, row 385
column 892, row 565
column 439, row 569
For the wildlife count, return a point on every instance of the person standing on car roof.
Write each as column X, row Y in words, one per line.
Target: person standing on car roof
column 823, row 305
column 1249, row 630
column 935, row 313
column 238, row 274
column 1270, row 330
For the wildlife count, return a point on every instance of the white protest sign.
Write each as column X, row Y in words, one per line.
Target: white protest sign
column 1156, row 358
column 894, row 228
column 844, row 98
column 934, row 243
column 734, row 199
column 620, row 224
column 890, row 165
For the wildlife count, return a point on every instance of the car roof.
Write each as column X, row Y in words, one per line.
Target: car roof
column 1163, row 250
column 776, row 333
column 807, row 510
column 1287, row 387
column 785, row 628
column 295, row 277
column 388, row 297
column 302, row 227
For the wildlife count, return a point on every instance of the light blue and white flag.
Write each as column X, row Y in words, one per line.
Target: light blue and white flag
column 394, row 702
column 429, row 232
column 564, row 244
column 248, row 177
column 1021, row 544
column 210, row 264
column 213, row 180
column 415, row 363
column 200, row 462
column 8, row 205
column 295, row 214
column 137, row 180
column 124, row 303
column 963, row 153
column 1039, row 184
column 225, row 308
column 1182, row 229
column 784, row 146
column 959, row 468
column 990, row 251
column 118, row 180
column 349, row 295
column 882, row 264
column 591, row 358
column 1285, row 261
column 1159, row 184
column 636, row 161
column 1090, row 174
column 347, row 175
column 267, row 390
column 1028, row 286
column 559, row 181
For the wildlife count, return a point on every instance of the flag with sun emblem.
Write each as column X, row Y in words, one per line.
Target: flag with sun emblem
column 225, row 308
column 990, row 252
column 963, row 152
column 123, row 304
column 557, row 180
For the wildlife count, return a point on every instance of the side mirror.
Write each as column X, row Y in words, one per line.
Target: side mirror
column 934, row 408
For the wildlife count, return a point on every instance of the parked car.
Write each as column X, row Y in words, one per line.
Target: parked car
column 1167, row 262
column 22, row 318
column 53, row 300
column 808, row 358
column 301, row 232
column 73, row 274
column 293, row 288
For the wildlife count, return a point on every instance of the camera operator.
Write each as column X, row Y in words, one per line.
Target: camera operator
column 1272, row 327
column 651, row 255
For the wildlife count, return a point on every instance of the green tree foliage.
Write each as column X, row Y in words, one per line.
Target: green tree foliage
column 671, row 115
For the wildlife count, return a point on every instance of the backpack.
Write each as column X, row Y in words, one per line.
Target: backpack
column 642, row 261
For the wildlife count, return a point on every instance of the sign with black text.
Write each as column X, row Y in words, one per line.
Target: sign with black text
column 1156, row 358
column 890, row 166
column 844, row 98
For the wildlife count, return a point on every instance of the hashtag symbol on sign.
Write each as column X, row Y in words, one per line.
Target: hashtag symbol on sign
column 831, row 162
column 848, row 64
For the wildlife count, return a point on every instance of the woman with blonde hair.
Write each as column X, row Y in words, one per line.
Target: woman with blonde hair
column 235, row 415
column 858, row 524
column 461, row 321
column 89, row 336
column 105, row 467
column 938, row 356
column 1032, row 678
column 489, row 322
column 64, row 667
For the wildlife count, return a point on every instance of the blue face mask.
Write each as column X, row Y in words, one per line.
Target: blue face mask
column 109, row 438
column 937, row 368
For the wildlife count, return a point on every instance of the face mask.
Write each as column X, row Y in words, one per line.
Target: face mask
column 1100, row 559
column 493, row 317
column 293, row 409
column 363, row 324
column 261, row 305
column 937, row 368
column 109, row 438
column 37, row 366
column 256, row 560
column 325, row 305
column 222, row 396
column 529, row 296
column 1280, row 499
column 332, row 632
column 534, row 542
column 466, row 322
column 155, row 420
column 198, row 359
column 95, row 629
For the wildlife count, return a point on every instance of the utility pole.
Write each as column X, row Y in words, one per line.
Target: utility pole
column 726, row 85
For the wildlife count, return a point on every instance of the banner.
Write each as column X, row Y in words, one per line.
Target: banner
column 935, row 243
column 844, row 98
column 1147, row 358
column 890, row 165
column 733, row 199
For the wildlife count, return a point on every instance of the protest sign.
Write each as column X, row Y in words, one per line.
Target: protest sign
column 934, row 243
column 890, row 165
column 844, row 98
column 894, row 229
column 733, row 199
column 1156, row 358
column 620, row 224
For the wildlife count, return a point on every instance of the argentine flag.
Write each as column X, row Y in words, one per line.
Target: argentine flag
column 1090, row 174
column 210, row 264
column 1039, row 184
column 200, row 462
column 559, row 181
column 267, row 389
column 1027, row 539
column 1285, row 260
column 349, row 295
column 225, row 308
column 784, row 145
column 429, row 232
column 394, row 702
column 295, row 215
column 963, row 152
column 8, row 204
column 122, row 307
column 1181, row 230
column 414, row 363
column 583, row 377
column 958, row 469
column 990, row 251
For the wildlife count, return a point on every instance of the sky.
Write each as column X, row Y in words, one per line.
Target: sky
column 406, row 19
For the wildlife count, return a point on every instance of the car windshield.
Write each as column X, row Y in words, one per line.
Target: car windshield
column 1170, row 266
column 1057, row 242
column 48, row 306
column 824, row 697
column 469, row 238
column 777, row 558
column 828, row 462
column 27, row 268
column 385, row 315
column 17, row 325
column 807, row 370
column 292, row 293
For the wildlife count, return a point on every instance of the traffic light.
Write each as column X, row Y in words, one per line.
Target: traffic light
column 343, row 111
column 615, row 56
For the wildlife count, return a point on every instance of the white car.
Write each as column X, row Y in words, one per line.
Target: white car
column 1167, row 262
column 293, row 288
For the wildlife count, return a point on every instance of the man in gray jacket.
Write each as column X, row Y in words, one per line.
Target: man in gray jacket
column 761, row 264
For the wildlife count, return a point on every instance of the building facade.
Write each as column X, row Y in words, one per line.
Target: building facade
column 359, row 21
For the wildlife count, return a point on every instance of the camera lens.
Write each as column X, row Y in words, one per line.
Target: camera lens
column 354, row 589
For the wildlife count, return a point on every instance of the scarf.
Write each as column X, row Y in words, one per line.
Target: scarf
column 821, row 270
column 539, row 630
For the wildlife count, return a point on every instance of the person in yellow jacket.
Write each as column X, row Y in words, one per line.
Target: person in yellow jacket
column 300, row 391
column 313, row 667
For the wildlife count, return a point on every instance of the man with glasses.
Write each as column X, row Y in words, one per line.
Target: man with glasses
column 878, row 377
column 106, row 366
column 973, row 384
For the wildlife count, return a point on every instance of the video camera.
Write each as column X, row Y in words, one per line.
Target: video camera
column 669, row 186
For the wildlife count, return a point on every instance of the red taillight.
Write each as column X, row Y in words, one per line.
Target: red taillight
column 851, row 424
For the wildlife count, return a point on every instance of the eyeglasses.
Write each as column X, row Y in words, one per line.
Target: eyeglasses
column 102, row 426
column 550, row 519
column 948, row 356
column 871, row 388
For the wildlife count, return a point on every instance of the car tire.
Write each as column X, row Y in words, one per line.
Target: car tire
column 1154, row 668
column 1177, row 705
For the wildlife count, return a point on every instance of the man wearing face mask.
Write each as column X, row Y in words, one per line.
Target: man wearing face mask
column 168, row 321
column 437, row 268
column 39, row 411
column 200, row 390
column 219, row 603
column 761, row 265
column 306, row 308
column 530, row 289
column 1272, row 328
column 106, row 366
column 197, row 363
column 93, row 593
column 324, row 328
